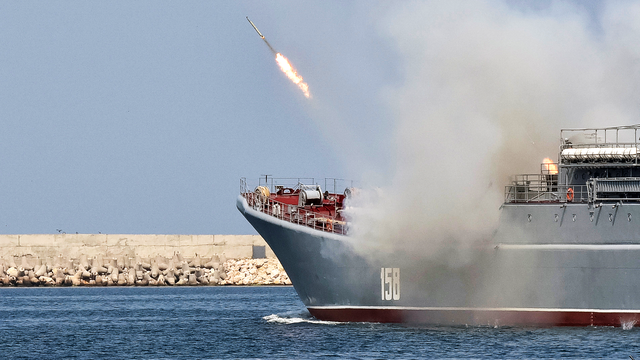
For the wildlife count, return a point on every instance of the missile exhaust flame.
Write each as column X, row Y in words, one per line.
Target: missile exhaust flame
column 285, row 65
column 291, row 73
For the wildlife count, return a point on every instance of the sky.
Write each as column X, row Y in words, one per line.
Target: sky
column 141, row 117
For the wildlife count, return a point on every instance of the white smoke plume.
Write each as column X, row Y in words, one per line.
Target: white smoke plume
column 487, row 87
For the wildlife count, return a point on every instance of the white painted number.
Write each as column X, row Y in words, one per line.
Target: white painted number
column 396, row 283
column 390, row 283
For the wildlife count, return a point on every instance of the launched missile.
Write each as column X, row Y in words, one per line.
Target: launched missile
column 255, row 28
column 262, row 36
column 284, row 64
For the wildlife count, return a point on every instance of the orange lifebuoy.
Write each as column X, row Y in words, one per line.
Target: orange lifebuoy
column 329, row 226
column 569, row 194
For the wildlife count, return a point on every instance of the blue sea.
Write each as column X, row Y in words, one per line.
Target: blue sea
column 256, row 323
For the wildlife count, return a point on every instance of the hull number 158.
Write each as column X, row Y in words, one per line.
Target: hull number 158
column 390, row 283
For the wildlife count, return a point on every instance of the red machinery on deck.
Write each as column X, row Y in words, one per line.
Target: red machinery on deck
column 300, row 204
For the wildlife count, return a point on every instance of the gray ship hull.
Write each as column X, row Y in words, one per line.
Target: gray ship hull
column 546, row 265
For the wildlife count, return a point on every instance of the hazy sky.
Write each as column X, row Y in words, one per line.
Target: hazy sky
column 141, row 117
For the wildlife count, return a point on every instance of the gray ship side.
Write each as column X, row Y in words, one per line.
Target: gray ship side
column 566, row 252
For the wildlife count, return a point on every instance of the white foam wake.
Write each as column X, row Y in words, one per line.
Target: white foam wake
column 628, row 324
column 275, row 318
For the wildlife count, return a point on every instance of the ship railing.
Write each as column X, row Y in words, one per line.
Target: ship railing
column 273, row 184
column 598, row 145
column 537, row 188
column 607, row 144
column 333, row 185
column 523, row 193
column 295, row 214
column 612, row 136
column 243, row 186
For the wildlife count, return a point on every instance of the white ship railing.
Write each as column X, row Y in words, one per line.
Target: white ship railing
column 292, row 213
column 536, row 192
column 537, row 188
column 543, row 187
column 608, row 144
column 333, row 185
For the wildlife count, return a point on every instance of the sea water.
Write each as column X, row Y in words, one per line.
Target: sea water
column 257, row 322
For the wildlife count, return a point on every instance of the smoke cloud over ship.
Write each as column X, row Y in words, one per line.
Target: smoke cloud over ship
column 486, row 88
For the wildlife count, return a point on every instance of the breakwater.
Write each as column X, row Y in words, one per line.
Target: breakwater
column 137, row 260
column 159, row 271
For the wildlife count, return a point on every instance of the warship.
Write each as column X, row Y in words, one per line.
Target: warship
column 565, row 251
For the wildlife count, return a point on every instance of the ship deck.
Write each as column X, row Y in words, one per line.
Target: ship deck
column 284, row 199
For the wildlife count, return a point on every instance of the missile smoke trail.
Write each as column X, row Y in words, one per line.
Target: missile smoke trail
column 285, row 65
column 269, row 45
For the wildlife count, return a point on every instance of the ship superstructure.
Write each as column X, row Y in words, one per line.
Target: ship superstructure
column 566, row 250
column 594, row 165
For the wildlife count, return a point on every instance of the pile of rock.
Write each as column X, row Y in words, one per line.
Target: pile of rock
column 255, row 272
column 159, row 271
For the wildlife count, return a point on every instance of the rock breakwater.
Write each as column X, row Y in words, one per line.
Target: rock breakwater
column 124, row 271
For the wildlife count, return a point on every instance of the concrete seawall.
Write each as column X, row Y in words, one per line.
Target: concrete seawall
column 137, row 260
column 132, row 245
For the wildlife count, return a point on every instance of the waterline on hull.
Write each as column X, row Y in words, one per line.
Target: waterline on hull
column 478, row 316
